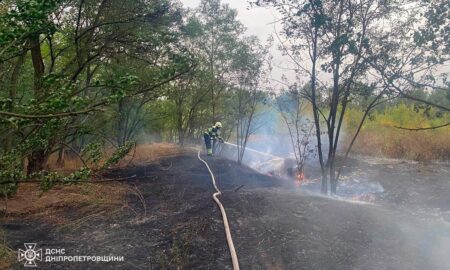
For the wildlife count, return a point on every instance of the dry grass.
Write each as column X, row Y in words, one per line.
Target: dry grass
column 71, row 163
column 70, row 206
column 140, row 155
column 149, row 153
column 29, row 201
column 413, row 145
column 58, row 206
column 7, row 255
column 52, row 206
column 380, row 137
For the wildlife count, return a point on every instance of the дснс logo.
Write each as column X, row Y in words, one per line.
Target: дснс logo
column 30, row 255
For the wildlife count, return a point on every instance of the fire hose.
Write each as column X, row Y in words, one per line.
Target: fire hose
column 255, row 151
column 234, row 257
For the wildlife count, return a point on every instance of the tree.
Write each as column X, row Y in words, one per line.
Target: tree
column 293, row 109
column 415, row 53
column 248, row 67
column 343, row 38
column 190, row 92
column 71, row 48
column 221, row 30
column 227, row 66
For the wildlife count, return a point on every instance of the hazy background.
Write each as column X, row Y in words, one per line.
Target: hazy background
column 261, row 22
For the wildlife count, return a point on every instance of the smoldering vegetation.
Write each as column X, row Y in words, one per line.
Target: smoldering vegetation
column 397, row 210
column 88, row 85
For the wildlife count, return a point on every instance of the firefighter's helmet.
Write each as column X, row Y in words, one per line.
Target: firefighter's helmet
column 218, row 125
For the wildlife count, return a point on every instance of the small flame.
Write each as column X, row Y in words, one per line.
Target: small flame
column 300, row 176
column 365, row 198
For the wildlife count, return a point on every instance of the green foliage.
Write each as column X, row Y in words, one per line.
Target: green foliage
column 50, row 179
column 93, row 152
column 119, row 154
column 10, row 172
column 21, row 18
column 400, row 115
column 90, row 58
column 435, row 33
column 81, row 75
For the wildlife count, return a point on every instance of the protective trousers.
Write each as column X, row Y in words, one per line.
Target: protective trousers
column 208, row 144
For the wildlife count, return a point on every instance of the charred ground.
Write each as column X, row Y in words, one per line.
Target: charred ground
column 171, row 222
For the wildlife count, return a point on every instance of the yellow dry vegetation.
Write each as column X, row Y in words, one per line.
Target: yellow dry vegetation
column 380, row 135
column 30, row 202
column 148, row 153
column 139, row 155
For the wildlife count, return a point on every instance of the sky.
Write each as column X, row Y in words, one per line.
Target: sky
column 257, row 20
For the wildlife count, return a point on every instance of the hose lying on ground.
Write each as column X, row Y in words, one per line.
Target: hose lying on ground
column 234, row 258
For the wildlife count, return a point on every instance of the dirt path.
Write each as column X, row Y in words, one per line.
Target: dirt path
column 274, row 225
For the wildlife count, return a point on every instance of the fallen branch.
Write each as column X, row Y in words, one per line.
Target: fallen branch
column 138, row 193
column 167, row 168
column 238, row 188
column 425, row 128
column 79, row 222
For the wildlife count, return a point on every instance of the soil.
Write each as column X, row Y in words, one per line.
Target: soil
column 171, row 222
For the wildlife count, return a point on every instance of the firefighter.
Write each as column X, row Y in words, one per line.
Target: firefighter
column 211, row 137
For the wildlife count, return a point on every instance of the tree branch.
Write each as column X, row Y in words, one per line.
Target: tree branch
column 425, row 128
column 42, row 116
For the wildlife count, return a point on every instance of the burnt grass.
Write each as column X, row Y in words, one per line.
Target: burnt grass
column 173, row 223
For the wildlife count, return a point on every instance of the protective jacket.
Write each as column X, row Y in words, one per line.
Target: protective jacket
column 212, row 132
column 211, row 136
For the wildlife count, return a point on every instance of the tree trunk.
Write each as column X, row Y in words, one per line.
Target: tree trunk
column 324, row 186
column 38, row 66
column 13, row 96
column 36, row 161
column 60, row 162
column 238, row 142
column 180, row 129
column 333, row 179
column 38, row 157
column 120, row 123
